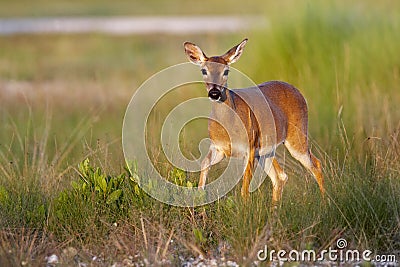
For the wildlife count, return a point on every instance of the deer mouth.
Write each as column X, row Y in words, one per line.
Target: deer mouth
column 214, row 94
column 217, row 94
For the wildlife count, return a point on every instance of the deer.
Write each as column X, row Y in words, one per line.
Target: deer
column 286, row 121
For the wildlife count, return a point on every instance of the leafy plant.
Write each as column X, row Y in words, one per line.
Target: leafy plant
column 180, row 178
column 94, row 201
column 199, row 236
column 106, row 189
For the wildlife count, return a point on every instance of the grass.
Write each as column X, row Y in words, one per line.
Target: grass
column 63, row 100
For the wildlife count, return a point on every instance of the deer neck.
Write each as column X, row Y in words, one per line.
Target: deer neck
column 225, row 106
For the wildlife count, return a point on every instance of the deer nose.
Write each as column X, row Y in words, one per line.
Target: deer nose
column 214, row 94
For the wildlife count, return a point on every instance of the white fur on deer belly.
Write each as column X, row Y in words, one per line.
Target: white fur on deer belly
column 242, row 150
column 268, row 151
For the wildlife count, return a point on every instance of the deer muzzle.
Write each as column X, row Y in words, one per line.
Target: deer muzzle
column 214, row 94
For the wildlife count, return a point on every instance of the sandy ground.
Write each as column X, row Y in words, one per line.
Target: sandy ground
column 132, row 25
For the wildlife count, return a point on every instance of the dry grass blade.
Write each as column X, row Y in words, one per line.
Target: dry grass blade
column 146, row 243
column 23, row 247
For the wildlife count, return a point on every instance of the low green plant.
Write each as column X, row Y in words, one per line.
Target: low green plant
column 26, row 206
column 93, row 202
column 106, row 189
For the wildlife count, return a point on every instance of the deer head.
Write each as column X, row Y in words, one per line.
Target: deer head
column 214, row 69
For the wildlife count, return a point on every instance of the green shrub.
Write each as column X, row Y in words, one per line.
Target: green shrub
column 94, row 202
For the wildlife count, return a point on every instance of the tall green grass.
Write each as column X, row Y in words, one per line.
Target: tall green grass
column 343, row 57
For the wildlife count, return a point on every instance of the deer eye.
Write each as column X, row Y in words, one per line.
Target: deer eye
column 226, row 72
column 204, row 71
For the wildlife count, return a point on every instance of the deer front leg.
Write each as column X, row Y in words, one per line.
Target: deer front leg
column 278, row 178
column 213, row 157
column 248, row 174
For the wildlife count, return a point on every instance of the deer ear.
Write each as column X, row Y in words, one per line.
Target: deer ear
column 194, row 53
column 234, row 53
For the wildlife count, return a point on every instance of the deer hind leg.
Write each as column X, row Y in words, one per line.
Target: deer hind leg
column 278, row 178
column 301, row 152
column 213, row 157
